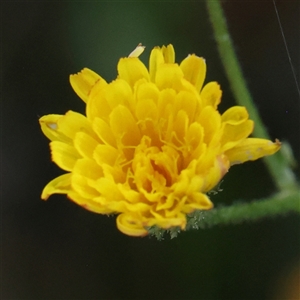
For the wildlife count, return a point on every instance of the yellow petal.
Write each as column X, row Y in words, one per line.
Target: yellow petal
column 195, row 183
column 194, row 70
column 88, row 204
column 166, row 102
column 194, row 143
column 119, row 93
column 98, row 106
column 64, row 127
column 80, row 184
column 235, row 115
column 200, row 201
column 169, row 76
column 124, row 206
column 214, row 175
column 167, row 203
column 85, row 144
column 180, row 125
column 169, row 220
column 210, row 120
column 166, row 164
column 88, row 168
column 233, row 134
column 127, row 225
column 169, row 54
column 104, row 132
column 124, row 127
column 113, row 173
column 131, row 195
column 188, row 102
column 109, row 190
column 147, row 90
column 146, row 109
column 49, row 127
column 72, row 122
column 104, row 100
column 251, row 149
column 106, row 154
column 64, row 155
column 211, row 94
column 156, row 59
column 194, row 135
column 131, row 69
column 83, row 82
column 59, row 185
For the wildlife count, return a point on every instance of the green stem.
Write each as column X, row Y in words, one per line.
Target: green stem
column 276, row 164
column 279, row 204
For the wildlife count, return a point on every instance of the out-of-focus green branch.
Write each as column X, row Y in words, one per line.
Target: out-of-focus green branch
column 277, row 164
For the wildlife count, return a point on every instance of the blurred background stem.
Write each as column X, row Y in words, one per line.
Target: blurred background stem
column 277, row 164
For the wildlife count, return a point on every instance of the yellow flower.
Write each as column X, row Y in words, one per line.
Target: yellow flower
column 152, row 143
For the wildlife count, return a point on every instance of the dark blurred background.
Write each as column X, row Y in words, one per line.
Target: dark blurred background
column 56, row 250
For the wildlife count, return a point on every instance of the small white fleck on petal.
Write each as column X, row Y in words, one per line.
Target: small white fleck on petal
column 52, row 126
column 137, row 51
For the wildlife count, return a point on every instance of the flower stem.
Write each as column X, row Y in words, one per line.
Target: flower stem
column 277, row 164
column 279, row 204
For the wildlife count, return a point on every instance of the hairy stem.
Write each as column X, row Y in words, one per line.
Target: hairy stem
column 279, row 204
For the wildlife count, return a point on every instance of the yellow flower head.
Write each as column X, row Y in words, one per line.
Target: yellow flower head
column 152, row 143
